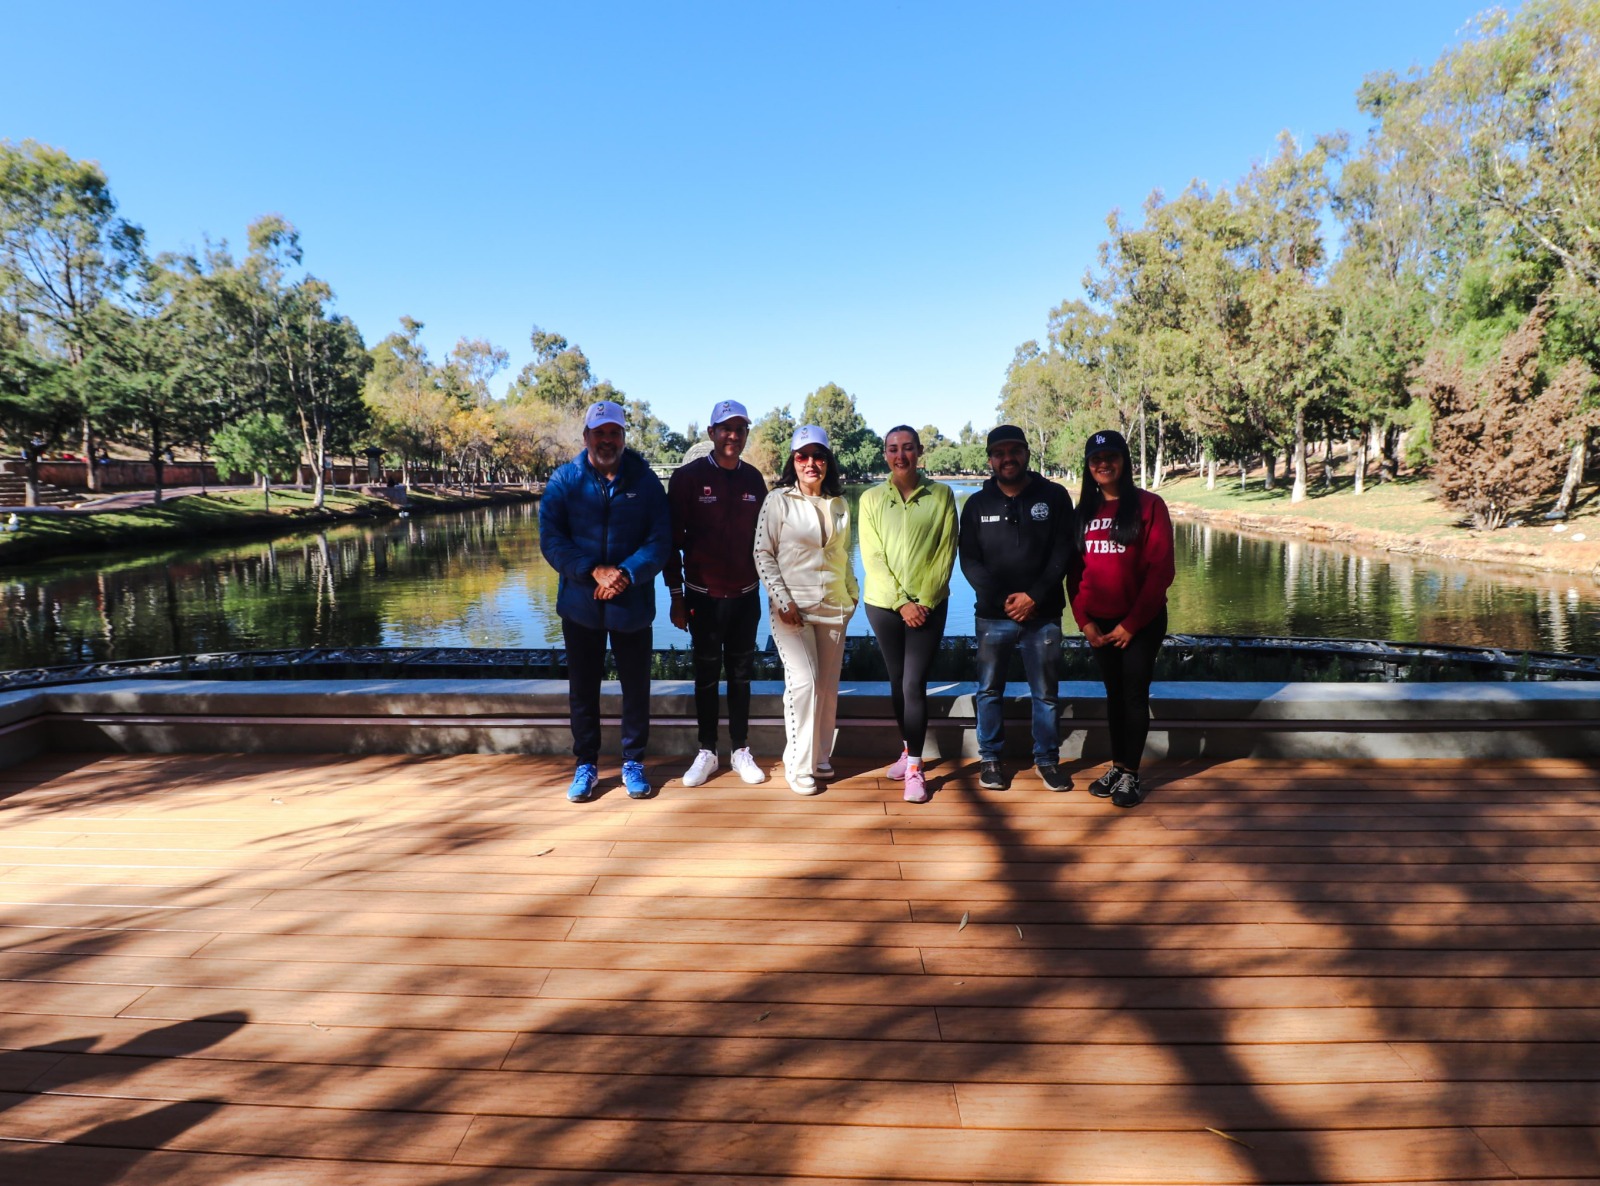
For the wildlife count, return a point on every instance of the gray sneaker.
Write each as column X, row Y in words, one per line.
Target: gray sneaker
column 1106, row 783
column 1054, row 778
column 1128, row 793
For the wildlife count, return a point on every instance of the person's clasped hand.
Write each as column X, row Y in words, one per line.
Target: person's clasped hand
column 609, row 582
column 1019, row 607
column 913, row 615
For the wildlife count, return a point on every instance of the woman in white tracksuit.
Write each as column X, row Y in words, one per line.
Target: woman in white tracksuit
column 802, row 553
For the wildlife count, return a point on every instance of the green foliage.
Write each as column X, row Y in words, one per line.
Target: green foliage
column 261, row 443
column 858, row 448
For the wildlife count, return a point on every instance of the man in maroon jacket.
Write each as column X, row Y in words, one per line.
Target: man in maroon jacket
column 711, row 575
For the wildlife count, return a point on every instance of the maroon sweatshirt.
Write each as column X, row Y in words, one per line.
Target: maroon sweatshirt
column 1125, row 583
column 714, row 513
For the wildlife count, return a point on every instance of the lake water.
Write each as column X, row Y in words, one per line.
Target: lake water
column 476, row 579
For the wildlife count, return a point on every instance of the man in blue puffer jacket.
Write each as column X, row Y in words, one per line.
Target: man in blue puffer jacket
column 605, row 527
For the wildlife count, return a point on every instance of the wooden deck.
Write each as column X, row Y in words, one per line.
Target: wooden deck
column 263, row 970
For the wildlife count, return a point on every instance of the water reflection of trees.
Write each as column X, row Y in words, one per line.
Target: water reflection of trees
column 477, row 579
column 1230, row 583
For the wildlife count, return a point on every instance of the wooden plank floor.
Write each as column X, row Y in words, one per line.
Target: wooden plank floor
column 399, row 970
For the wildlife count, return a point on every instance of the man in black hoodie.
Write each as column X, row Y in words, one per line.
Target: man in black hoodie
column 1016, row 544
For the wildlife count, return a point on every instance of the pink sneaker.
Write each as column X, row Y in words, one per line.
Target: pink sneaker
column 916, row 786
column 898, row 770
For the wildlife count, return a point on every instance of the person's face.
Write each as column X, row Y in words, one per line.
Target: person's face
column 728, row 438
column 1008, row 461
column 1105, row 467
column 810, row 465
column 901, row 452
column 604, row 442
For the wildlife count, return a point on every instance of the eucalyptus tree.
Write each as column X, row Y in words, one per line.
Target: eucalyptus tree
column 406, row 398
column 312, row 361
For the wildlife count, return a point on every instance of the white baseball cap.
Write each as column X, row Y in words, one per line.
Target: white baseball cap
column 728, row 409
column 604, row 412
column 810, row 434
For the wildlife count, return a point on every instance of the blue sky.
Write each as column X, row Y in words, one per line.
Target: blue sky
column 714, row 200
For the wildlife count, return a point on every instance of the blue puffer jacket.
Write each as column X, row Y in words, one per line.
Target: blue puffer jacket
column 585, row 521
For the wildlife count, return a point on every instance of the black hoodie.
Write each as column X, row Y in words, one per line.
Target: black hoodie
column 1018, row 545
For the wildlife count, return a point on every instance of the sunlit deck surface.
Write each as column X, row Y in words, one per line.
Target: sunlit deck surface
column 412, row 970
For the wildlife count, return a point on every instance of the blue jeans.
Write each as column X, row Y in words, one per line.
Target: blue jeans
column 1041, row 660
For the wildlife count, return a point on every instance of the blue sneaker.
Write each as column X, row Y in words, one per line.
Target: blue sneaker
column 638, row 786
column 583, row 783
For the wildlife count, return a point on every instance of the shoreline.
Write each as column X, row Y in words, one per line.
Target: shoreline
column 185, row 519
column 1580, row 558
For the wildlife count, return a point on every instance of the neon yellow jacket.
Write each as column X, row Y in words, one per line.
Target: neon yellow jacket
column 908, row 546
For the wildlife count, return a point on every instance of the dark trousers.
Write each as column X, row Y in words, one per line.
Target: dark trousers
column 1127, row 672
column 723, row 630
column 908, row 654
column 586, row 664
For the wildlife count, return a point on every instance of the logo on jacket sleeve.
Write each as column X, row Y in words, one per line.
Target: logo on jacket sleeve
column 1040, row 511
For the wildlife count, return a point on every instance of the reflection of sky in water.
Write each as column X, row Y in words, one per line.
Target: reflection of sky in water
column 477, row 579
column 521, row 613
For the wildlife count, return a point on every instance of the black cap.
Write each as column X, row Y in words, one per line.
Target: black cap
column 1006, row 432
column 1100, row 442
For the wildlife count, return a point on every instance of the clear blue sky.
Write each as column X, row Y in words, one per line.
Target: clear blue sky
column 739, row 200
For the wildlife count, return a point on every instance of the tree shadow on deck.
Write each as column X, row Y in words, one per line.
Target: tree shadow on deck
column 815, row 1007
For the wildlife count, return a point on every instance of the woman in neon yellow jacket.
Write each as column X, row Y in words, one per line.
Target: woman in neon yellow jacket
column 908, row 546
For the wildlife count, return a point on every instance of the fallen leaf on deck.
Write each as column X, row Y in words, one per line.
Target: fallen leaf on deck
column 1226, row 1137
column 543, row 851
column 1019, row 930
column 965, row 915
column 765, row 1015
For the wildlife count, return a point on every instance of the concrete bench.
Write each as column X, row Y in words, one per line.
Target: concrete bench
column 1445, row 720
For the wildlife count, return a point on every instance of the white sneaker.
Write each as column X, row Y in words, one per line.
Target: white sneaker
column 746, row 767
column 802, row 784
column 705, row 765
column 824, row 770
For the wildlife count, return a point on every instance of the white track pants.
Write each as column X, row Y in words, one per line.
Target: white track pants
column 812, row 655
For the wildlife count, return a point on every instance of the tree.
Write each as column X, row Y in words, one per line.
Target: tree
column 261, row 443
column 403, row 393
column 62, row 251
column 768, row 446
column 858, row 448
column 315, row 361
column 650, row 435
column 559, row 375
column 1499, row 437
column 34, row 414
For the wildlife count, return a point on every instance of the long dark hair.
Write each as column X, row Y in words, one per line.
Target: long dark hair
column 831, row 485
column 1126, row 526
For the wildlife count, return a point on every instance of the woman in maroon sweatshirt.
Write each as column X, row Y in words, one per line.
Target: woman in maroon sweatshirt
column 1119, row 598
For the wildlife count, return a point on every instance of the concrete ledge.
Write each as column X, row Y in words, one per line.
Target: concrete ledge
column 530, row 716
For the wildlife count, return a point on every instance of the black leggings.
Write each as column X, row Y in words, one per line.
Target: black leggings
column 908, row 654
column 1127, row 672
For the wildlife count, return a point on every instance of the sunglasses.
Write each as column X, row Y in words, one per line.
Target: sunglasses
column 819, row 458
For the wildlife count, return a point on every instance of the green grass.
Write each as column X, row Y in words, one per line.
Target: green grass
column 1408, row 505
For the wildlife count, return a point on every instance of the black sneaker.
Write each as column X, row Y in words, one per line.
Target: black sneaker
column 1106, row 783
column 1054, row 778
column 990, row 778
column 1128, row 793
